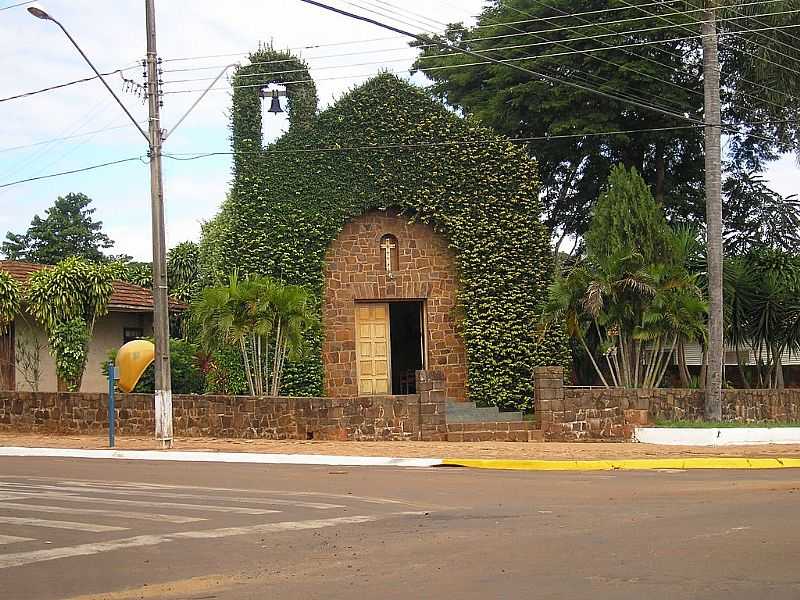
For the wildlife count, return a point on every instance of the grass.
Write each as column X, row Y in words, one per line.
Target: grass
column 723, row 424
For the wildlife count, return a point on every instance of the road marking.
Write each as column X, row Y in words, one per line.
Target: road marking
column 205, row 507
column 225, row 457
column 162, row 486
column 14, row 495
column 69, row 510
column 163, row 494
column 13, row 539
column 31, row 522
column 25, row 558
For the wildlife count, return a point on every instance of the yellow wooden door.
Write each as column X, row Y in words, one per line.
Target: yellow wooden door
column 372, row 326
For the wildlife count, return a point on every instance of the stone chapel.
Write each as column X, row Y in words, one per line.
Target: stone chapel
column 418, row 231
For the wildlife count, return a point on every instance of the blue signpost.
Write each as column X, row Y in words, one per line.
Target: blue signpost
column 112, row 381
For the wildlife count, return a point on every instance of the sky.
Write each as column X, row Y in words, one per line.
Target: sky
column 342, row 53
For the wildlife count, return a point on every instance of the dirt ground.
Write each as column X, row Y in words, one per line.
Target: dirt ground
column 506, row 450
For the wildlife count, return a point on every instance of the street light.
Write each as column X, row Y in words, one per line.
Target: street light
column 39, row 13
column 155, row 139
column 163, row 391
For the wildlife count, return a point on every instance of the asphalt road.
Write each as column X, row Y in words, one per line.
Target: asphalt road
column 123, row 530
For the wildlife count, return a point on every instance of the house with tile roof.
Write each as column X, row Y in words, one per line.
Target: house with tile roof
column 130, row 317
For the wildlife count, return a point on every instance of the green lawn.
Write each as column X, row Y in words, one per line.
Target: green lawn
column 723, row 424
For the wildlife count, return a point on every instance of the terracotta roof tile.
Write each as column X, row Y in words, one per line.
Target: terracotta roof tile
column 125, row 297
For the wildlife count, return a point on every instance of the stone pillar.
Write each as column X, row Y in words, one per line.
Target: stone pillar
column 431, row 389
column 548, row 393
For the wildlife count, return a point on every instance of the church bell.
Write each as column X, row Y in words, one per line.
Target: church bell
column 275, row 105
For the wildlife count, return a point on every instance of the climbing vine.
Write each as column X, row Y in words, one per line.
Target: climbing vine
column 387, row 144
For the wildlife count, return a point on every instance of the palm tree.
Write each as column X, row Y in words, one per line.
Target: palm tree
column 266, row 320
column 634, row 309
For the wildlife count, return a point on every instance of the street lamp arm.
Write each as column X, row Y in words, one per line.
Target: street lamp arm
column 96, row 72
column 196, row 102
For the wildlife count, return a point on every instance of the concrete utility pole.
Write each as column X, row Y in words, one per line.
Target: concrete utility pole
column 713, row 158
column 163, row 395
column 163, row 379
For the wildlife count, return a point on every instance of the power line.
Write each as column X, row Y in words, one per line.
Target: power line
column 17, row 4
column 643, row 56
column 768, row 89
column 68, row 137
column 486, row 60
column 396, row 37
column 63, row 85
column 370, row 147
column 89, row 168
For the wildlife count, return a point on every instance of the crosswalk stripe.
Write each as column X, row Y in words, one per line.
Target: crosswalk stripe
column 163, row 494
column 71, row 510
column 204, row 507
column 31, row 522
column 14, row 495
column 13, row 539
column 35, row 556
column 162, row 486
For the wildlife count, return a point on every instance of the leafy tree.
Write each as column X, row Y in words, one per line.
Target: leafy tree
column 633, row 291
column 68, row 229
column 758, row 218
column 627, row 219
column 183, row 271
column 265, row 319
column 661, row 65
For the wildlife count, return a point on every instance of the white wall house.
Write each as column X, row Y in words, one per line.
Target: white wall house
column 130, row 317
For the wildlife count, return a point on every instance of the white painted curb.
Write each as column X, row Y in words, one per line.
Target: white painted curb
column 729, row 436
column 226, row 457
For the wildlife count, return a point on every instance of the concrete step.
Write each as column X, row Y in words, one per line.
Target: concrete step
column 467, row 412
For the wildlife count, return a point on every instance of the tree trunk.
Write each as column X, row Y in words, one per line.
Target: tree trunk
column 713, row 383
column 778, row 369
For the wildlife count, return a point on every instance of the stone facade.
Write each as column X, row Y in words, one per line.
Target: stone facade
column 414, row 417
column 501, row 431
column 574, row 413
column 354, row 272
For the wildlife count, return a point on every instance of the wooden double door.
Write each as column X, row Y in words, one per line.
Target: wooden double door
column 390, row 346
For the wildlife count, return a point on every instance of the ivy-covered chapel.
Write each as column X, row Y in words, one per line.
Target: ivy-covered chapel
column 417, row 230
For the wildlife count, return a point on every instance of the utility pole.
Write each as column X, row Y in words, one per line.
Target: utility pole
column 163, row 379
column 155, row 139
column 713, row 166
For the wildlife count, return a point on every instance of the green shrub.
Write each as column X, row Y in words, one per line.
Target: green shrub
column 187, row 377
column 225, row 372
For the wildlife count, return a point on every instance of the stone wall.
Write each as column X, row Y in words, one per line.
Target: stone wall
column 354, row 272
column 574, row 413
column 415, row 417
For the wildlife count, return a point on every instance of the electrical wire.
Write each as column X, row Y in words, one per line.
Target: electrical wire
column 65, row 138
column 81, row 170
column 397, row 37
column 767, row 88
column 370, row 147
column 17, row 4
column 67, row 84
column 652, row 60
